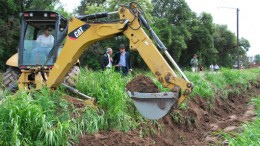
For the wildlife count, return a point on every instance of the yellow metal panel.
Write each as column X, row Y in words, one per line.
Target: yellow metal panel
column 23, row 82
column 13, row 61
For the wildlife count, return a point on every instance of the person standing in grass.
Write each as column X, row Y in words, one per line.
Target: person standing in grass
column 122, row 61
column 194, row 63
column 216, row 68
column 211, row 67
column 106, row 60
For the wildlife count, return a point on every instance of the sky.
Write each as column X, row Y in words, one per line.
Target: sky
column 223, row 12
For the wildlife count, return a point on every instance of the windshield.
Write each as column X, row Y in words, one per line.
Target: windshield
column 38, row 41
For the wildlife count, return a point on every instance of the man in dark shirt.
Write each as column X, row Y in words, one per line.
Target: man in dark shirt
column 122, row 61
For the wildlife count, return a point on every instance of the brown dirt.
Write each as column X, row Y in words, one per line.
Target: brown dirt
column 142, row 84
column 114, row 138
column 77, row 103
column 195, row 126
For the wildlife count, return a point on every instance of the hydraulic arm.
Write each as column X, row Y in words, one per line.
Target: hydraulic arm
column 81, row 33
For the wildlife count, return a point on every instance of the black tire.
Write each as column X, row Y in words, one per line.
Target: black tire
column 72, row 76
column 10, row 79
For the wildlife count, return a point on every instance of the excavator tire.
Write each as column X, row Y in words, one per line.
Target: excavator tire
column 10, row 78
column 71, row 77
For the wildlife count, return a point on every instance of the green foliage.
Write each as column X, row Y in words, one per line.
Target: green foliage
column 209, row 84
column 109, row 89
column 257, row 58
column 237, row 77
column 202, row 87
column 225, row 42
column 173, row 17
column 217, row 80
column 32, row 119
column 202, row 42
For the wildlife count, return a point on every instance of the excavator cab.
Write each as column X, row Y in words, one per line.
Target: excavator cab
column 33, row 50
column 40, row 30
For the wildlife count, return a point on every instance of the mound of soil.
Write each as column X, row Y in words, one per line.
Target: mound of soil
column 77, row 103
column 142, row 84
column 194, row 126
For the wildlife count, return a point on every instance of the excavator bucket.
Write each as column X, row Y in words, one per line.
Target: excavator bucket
column 154, row 105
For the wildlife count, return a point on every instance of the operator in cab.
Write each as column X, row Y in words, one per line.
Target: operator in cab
column 46, row 39
column 44, row 43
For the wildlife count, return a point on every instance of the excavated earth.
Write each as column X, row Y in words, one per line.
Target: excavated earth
column 194, row 126
column 142, row 84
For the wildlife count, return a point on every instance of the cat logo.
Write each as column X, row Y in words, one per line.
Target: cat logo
column 76, row 33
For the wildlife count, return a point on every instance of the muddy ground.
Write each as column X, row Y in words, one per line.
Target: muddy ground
column 195, row 126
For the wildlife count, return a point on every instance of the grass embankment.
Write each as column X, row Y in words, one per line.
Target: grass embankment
column 250, row 134
column 45, row 118
column 210, row 84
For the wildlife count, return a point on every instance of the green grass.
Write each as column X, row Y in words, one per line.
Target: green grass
column 33, row 119
column 202, row 87
column 210, row 84
column 109, row 90
column 251, row 131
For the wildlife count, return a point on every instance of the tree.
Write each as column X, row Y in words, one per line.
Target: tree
column 201, row 42
column 178, row 16
column 244, row 45
column 225, row 43
column 257, row 58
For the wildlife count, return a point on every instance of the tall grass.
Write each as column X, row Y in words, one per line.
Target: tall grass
column 251, row 131
column 210, row 84
column 34, row 119
column 202, row 87
column 235, row 77
column 109, row 90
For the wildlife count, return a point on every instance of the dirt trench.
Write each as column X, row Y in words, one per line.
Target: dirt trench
column 194, row 126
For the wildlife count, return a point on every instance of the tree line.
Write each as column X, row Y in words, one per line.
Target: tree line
column 182, row 31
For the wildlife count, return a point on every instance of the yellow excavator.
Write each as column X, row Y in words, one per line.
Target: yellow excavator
column 30, row 69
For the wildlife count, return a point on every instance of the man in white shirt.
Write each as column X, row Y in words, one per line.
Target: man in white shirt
column 44, row 44
column 216, row 67
column 46, row 39
column 211, row 67
column 106, row 60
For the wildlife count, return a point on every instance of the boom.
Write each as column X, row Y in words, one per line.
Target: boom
column 81, row 34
